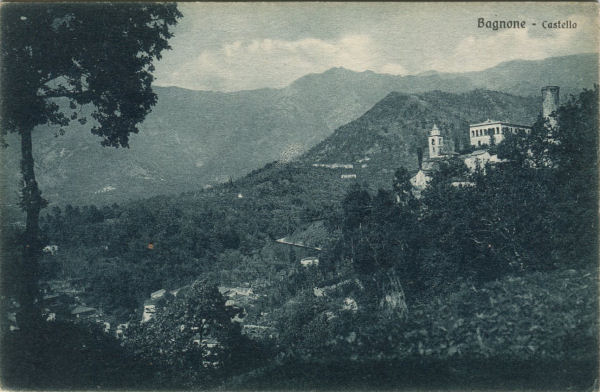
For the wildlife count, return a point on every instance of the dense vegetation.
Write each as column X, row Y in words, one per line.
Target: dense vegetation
column 49, row 55
column 500, row 269
column 494, row 278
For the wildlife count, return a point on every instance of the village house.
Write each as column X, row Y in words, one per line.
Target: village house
column 51, row 249
column 309, row 261
column 157, row 296
column 149, row 309
column 479, row 158
column 120, row 330
column 83, row 312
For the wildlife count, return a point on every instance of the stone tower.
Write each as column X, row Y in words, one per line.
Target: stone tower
column 550, row 101
column 435, row 141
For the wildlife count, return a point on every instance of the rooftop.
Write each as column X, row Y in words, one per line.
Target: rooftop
column 494, row 122
column 151, row 301
column 82, row 309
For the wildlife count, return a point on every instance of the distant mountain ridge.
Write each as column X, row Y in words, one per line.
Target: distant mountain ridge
column 196, row 138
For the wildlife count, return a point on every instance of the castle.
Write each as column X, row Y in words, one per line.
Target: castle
column 492, row 132
column 481, row 135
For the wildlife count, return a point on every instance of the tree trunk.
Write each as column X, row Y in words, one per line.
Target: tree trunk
column 32, row 203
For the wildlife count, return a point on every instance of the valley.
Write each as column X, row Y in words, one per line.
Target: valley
column 246, row 239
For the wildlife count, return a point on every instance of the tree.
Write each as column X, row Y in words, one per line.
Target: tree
column 402, row 185
column 69, row 55
column 191, row 340
column 575, row 153
column 560, row 166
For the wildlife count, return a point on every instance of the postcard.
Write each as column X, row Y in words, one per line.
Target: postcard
column 299, row 196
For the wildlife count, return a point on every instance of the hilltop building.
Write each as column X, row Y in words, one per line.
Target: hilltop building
column 481, row 135
column 492, row 132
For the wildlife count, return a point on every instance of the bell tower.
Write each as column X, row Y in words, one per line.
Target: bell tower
column 435, row 141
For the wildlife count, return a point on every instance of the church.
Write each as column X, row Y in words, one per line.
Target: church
column 492, row 132
column 481, row 135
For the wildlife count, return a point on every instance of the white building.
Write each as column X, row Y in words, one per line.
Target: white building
column 482, row 134
column 478, row 159
column 436, row 142
column 158, row 294
column 420, row 180
column 149, row 310
column 309, row 261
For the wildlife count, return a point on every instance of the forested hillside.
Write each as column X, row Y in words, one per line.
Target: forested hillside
column 465, row 277
column 388, row 135
column 207, row 230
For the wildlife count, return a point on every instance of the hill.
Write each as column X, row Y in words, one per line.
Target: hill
column 196, row 138
column 388, row 135
column 504, row 270
column 230, row 230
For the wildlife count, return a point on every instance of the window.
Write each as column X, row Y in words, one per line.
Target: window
column 472, row 133
column 433, row 149
column 433, row 142
column 479, row 142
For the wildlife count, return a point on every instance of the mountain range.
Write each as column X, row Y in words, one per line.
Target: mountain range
column 194, row 139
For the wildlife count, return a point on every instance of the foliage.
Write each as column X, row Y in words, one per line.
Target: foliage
column 206, row 232
column 536, row 331
column 535, row 316
column 52, row 52
column 49, row 53
column 191, row 339
column 532, row 212
column 64, row 355
column 503, row 242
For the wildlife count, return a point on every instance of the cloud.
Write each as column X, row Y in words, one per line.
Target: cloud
column 489, row 48
column 269, row 62
column 230, row 47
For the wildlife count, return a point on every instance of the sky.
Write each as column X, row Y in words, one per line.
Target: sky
column 244, row 46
